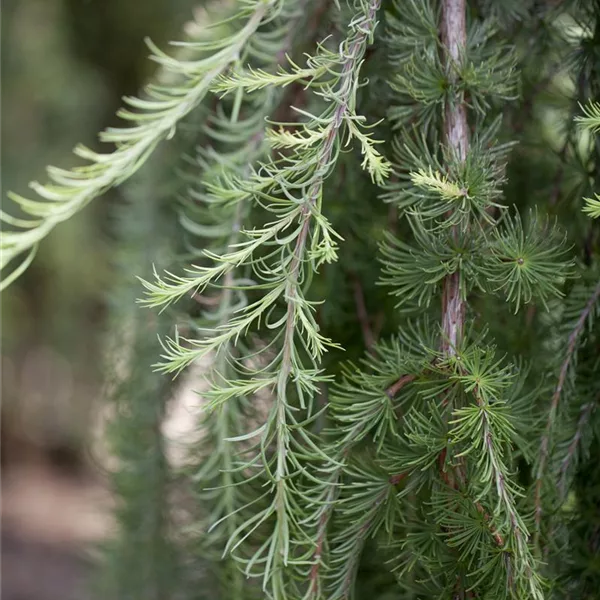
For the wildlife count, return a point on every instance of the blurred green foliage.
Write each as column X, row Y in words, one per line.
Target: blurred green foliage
column 65, row 66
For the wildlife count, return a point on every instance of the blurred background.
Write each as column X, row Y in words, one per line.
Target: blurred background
column 65, row 66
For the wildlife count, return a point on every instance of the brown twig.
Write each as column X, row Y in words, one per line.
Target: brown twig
column 398, row 385
column 562, row 377
column 207, row 300
column 315, row 582
column 396, row 479
column 362, row 314
column 456, row 133
column 488, row 519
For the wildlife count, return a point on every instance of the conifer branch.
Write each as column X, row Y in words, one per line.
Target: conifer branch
column 230, row 492
column 544, row 452
column 565, row 464
column 448, row 193
column 363, row 402
column 153, row 119
column 141, row 558
column 352, row 56
column 523, row 563
column 291, row 188
column 355, row 429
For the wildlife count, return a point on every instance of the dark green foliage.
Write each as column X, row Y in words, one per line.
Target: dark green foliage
column 389, row 275
column 142, row 560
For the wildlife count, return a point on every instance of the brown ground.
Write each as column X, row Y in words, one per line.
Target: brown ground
column 52, row 516
column 37, row 571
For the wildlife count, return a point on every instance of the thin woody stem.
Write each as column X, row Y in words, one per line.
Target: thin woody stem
column 398, row 385
column 454, row 38
column 353, row 56
column 362, row 314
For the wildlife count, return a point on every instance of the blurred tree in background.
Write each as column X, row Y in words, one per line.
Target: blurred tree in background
column 65, row 66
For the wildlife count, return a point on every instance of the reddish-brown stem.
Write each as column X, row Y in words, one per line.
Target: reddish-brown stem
column 487, row 518
column 352, row 58
column 562, row 377
column 362, row 314
column 398, row 385
column 453, row 314
column 454, row 39
column 456, row 133
column 314, row 571
column 396, row 479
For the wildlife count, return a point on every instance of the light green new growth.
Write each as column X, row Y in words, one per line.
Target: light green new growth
column 152, row 119
column 591, row 121
column 591, row 117
column 435, row 182
column 298, row 238
column 592, row 206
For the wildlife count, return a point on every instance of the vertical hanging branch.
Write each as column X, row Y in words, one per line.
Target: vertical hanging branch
column 566, row 366
column 141, row 560
column 292, row 183
column 148, row 121
column 465, row 437
column 454, row 38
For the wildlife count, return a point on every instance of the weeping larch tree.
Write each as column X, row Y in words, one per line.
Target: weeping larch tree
column 374, row 225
